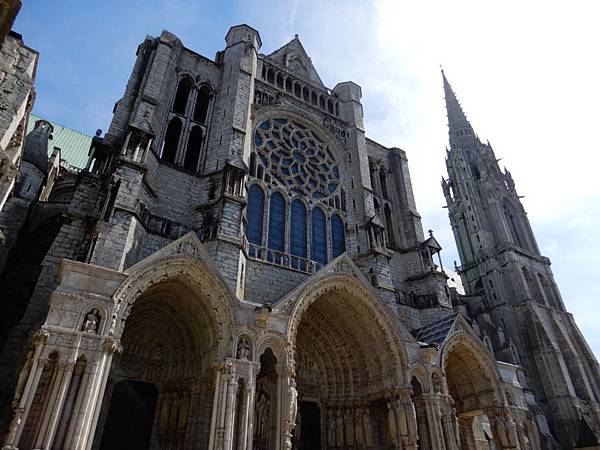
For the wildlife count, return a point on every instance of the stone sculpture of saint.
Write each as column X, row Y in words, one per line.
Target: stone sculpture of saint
column 243, row 348
column 293, row 405
column 92, row 320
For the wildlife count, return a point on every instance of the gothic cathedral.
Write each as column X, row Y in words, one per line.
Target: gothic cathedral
column 238, row 266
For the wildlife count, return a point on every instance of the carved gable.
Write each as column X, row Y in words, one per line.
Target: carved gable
column 293, row 57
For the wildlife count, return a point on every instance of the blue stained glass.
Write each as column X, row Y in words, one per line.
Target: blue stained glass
column 338, row 238
column 277, row 222
column 298, row 229
column 280, row 121
column 336, row 172
column 254, row 215
column 264, row 125
column 332, row 187
column 294, row 169
column 319, row 236
column 257, row 139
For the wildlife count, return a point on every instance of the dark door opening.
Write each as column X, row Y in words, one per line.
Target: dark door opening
column 310, row 427
column 130, row 416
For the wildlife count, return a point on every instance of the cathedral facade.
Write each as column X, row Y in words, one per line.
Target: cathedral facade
column 239, row 267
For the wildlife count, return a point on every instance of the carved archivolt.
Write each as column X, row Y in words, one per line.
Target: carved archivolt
column 343, row 336
column 200, row 281
column 471, row 371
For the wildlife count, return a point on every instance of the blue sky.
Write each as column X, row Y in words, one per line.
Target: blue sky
column 525, row 73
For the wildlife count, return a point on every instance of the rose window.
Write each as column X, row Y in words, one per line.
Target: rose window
column 297, row 158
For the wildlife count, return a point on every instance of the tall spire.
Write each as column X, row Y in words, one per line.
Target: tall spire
column 458, row 125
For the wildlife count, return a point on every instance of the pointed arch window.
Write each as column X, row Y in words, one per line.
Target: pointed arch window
column 338, row 236
column 202, row 104
column 389, row 228
column 319, row 236
column 298, row 236
column 383, row 183
column 255, row 214
column 182, row 95
column 194, row 145
column 169, row 152
column 277, row 222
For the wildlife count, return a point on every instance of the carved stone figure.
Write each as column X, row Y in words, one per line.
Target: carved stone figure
column 293, row 405
column 243, row 351
column 91, row 322
column 358, row 428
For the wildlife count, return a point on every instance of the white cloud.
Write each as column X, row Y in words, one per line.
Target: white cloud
column 526, row 74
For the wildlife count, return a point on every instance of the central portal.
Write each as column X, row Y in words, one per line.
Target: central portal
column 130, row 416
column 344, row 367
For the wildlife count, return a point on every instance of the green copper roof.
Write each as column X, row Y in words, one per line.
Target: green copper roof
column 74, row 146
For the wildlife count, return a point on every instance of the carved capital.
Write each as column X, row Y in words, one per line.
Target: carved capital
column 112, row 346
column 41, row 336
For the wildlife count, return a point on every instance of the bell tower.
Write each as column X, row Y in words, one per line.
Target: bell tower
column 501, row 264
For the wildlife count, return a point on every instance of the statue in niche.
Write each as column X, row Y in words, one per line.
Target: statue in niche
column 91, row 322
column 293, row 405
column 331, row 428
column 339, row 428
column 358, row 425
column 243, row 351
column 262, row 413
column 348, row 427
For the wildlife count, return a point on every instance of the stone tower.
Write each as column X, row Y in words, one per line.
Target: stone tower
column 518, row 300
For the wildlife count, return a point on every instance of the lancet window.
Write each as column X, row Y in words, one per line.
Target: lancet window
column 304, row 219
column 186, row 131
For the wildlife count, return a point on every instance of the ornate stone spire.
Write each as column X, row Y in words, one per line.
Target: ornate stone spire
column 458, row 125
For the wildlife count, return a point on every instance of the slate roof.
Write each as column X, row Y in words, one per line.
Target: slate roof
column 435, row 332
column 74, row 145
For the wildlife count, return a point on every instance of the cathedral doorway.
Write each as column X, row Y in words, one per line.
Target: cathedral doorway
column 308, row 428
column 344, row 367
column 477, row 396
column 130, row 416
column 164, row 373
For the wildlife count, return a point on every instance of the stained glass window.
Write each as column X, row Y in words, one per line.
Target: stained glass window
column 277, row 222
column 338, row 238
column 298, row 229
column 319, row 236
column 254, row 215
column 297, row 158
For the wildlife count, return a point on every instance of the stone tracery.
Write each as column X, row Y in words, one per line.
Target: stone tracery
column 297, row 158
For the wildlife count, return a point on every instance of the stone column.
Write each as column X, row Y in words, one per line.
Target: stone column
column 449, row 425
column 287, row 406
column 407, row 420
column 223, row 418
column 392, row 421
column 87, row 409
column 54, row 405
column 230, row 412
column 467, row 433
column 22, row 410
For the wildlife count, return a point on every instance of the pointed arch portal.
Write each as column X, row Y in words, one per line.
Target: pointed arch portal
column 346, row 354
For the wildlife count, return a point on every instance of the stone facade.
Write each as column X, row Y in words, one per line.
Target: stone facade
column 17, row 74
column 239, row 266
